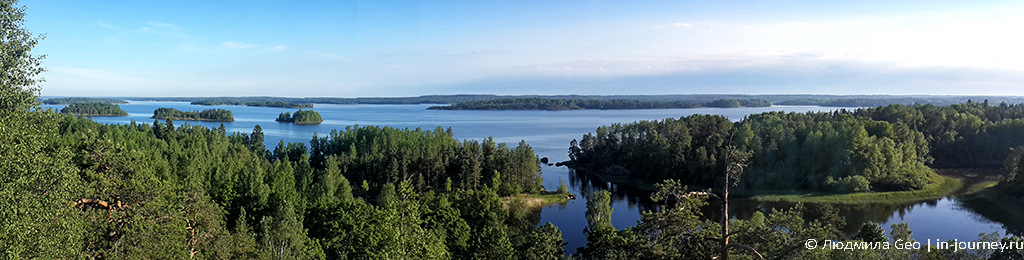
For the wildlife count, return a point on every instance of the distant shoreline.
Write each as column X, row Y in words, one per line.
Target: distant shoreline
column 775, row 99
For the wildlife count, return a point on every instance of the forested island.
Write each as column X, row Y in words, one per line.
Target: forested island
column 217, row 115
column 236, row 102
column 300, row 117
column 69, row 101
column 889, row 148
column 93, row 109
column 573, row 104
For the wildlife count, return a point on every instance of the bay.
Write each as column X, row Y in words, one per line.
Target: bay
column 549, row 134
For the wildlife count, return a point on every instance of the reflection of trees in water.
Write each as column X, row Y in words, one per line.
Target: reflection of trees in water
column 587, row 185
column 989, row 210
column 855, row 214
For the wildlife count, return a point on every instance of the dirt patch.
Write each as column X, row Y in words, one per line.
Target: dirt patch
column 970, row 177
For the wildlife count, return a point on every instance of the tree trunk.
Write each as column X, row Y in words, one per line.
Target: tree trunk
column 725, row 214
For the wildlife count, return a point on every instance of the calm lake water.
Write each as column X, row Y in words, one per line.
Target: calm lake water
column 549, row 134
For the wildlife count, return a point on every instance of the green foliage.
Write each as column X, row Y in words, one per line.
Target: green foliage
column 562, row 188
column 428, row 159
column 73, row 188
column 301, row 117
column 870, row 232
column 93, row 109
column 545, row 243
column 219, row 115
column 251, row 103
column 37, row 186
column 1013, row 167
column 729, row 102
column 813, row 151
column 20, row 69
column 885, row 148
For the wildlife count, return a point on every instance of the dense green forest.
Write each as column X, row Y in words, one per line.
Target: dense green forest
column 73, row 188
column 93, row 109
column 882, row 149
column 69, row 101
column 218, row 115
column 300, row 117
column 571, row 104
column 226, row 101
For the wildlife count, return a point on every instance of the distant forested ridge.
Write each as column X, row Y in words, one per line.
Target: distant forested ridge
column 883, row 148
column 251, row 103
column 778, row 99
column 572, row 104
column 69, row 101
column 301, row 117
column 219, row 115
column 93, row 109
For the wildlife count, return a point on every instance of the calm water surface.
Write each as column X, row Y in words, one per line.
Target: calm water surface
column 549, row 133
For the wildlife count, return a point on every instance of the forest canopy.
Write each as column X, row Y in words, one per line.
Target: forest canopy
column 300, row 117
column 93, row 109
column 882, row 148
column 251, row 103
column 218, row 115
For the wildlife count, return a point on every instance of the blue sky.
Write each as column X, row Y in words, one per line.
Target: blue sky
column 408, row 48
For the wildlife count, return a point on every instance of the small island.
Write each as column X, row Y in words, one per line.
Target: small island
column 216, row 115
column 78, row 100
column 574, row 104
column 301, row 117
column 281, row 104
column 93, row 109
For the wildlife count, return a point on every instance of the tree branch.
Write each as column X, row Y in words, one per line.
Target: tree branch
column 748, row 248
column 702, row 193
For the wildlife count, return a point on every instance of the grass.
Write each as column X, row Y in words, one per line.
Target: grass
column 978, row 187
column 941, row 186
column 540, row 200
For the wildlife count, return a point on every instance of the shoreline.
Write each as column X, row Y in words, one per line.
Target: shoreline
column 190, row 119
column 945, row 182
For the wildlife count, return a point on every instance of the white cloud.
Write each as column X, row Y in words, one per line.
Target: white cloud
column 237, row 45
column 107, row 26
column 673, row 25
column 328, row 55
column 279, row 47
column 162, row 28
column 162, row 25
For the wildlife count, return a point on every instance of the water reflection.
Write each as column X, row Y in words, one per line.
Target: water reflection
column 943, row 219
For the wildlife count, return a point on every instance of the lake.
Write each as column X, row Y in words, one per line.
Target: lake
column 549, row 134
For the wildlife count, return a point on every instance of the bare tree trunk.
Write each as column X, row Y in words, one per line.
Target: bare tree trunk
column 725, row 209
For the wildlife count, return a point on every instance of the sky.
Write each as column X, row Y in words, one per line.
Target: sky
column 411, row 48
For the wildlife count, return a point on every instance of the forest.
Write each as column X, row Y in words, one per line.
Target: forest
column 572, row 104
column 227, row 101
column 74, row 188
column 93, row 109
column 300, row 117
column 216, row 115
column 76, row 100
column 888, row 148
